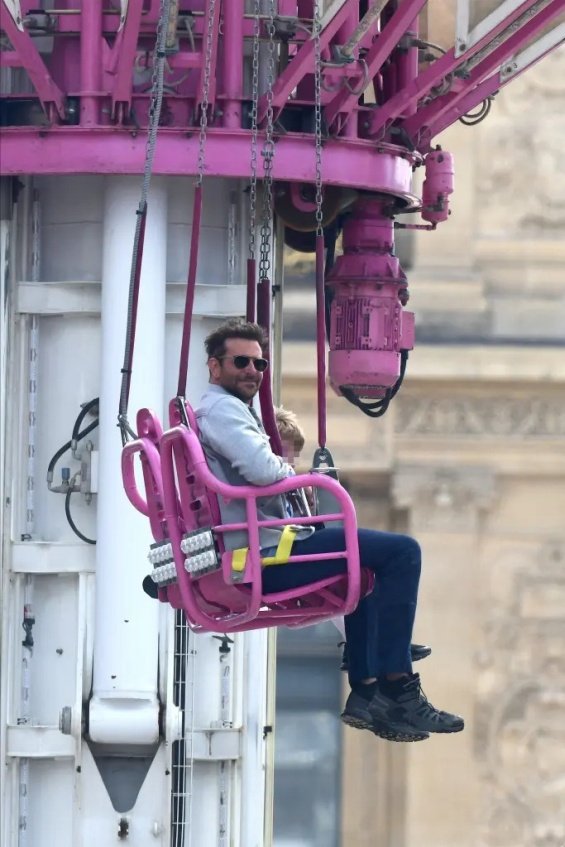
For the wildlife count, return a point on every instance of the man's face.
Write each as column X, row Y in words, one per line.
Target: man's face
column 241, row 382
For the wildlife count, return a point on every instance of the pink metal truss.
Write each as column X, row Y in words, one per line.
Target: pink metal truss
column 345, row 101
column 505, row 38
column 25, row 55
column 93, row 87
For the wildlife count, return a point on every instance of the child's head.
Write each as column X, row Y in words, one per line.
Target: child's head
column 291, row 433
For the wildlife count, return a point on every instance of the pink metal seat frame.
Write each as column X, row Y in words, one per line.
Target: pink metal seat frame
column 181, row 494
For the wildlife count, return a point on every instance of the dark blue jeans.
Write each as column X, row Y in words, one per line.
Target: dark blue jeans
column 379, row 631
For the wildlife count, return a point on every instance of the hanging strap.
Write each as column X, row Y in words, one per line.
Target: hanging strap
column 212, row 10
column 265, row 391
column 131, row 325
column 251, row 306
column 190, row 290
column 156, row 101
column 321, row 339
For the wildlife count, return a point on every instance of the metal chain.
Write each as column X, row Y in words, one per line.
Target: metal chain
column 268, row 152
column 156, row 101
column 254, row 109
column 318, row 116
column 205, row 93
column 155, row 104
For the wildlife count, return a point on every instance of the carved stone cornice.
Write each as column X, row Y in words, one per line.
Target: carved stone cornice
column 492, row 417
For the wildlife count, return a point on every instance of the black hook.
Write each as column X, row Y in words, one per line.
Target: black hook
column 225, row 642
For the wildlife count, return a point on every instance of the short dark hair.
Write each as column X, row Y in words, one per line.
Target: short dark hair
column 215, row 343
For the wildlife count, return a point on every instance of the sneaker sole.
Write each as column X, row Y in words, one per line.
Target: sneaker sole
column 383, row 731
column 426, row 732
column 422, row 654
column 447, row 731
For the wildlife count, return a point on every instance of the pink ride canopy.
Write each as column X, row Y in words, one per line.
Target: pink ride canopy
column 387, row 90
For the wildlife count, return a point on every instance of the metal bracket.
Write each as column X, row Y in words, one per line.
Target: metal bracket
column 216, row 745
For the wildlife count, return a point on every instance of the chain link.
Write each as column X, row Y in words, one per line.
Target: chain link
column 318, row 116
column 205, row 93
column 254, row 110
column 154, row 114
column 268, row 151
column 156, row 99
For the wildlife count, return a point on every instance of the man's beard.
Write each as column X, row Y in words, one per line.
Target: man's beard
column 245, row 398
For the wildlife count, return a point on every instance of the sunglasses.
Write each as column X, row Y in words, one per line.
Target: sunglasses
column 241, row 362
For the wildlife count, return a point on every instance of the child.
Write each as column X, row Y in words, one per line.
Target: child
column 292, row 440
column 291, row 433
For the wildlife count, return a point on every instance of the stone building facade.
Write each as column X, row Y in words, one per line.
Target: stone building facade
column 470, row 459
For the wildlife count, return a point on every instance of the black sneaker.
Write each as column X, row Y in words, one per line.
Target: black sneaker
column 404, row 703
column 417, row 652
column 357, row 715
column 150, row 587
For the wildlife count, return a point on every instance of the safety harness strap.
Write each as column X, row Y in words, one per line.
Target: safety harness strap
column 281, row 557
column 265, row 389
column 321, row 339
column 251, row 304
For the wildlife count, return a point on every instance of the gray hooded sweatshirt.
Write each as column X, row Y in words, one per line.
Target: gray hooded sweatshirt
column 239, row 452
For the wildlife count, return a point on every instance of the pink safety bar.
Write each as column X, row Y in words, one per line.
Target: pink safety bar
column 181, row 494
column 146, row 446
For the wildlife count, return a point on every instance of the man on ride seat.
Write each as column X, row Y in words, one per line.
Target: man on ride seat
column 386, row 697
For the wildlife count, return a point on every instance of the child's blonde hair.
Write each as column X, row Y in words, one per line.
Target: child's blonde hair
column 289, row 428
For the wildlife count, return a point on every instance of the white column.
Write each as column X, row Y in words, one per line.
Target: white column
column 254, row 699
column 124, row 707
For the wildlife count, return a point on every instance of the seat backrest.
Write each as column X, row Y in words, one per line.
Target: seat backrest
column 196, row 500
column 146, row 449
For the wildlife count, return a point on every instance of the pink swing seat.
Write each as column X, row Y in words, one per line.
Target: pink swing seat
column 182, row 503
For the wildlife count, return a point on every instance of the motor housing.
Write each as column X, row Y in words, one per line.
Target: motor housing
column 369, row 327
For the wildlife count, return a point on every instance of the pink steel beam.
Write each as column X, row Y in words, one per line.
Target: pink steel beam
column 107, row 150
column 349, row 130
column 407, row 63
column 123, row 56
column 344, row 101
column 184, row 60
column 438, row 70
column 49, row 93
column 409, row 96
column 446, row 109
column 303, row 63
column 68, row 23
column 90, row 64
column 485, row 89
